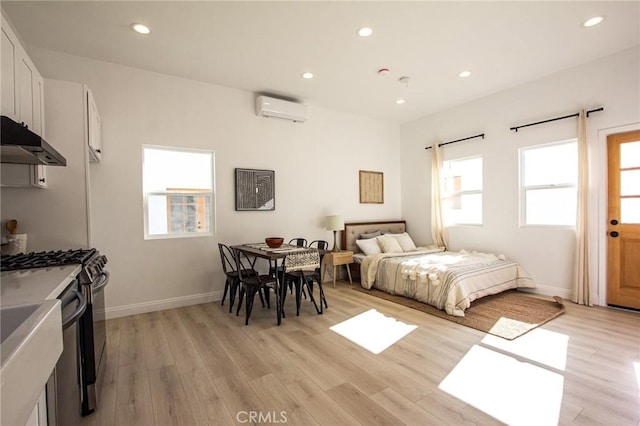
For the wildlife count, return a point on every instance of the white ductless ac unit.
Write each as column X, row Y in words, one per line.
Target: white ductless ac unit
column 279, row 108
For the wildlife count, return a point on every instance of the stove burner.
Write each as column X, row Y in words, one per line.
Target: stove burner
column 46, row 259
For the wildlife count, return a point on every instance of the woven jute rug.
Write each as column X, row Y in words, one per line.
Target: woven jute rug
column 508, row 315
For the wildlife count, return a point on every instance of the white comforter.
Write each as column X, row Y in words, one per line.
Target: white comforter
column 446, row 280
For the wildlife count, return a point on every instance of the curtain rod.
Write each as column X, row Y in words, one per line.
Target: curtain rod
column 481, row 135
column 555, row 119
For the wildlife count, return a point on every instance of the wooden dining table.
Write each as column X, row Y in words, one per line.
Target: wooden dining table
column 277, row 258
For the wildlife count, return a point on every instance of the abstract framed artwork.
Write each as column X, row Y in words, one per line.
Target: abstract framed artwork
column 371, row 187
column 255, row 190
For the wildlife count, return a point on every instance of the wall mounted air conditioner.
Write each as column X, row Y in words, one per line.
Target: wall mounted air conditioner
column 278, row 108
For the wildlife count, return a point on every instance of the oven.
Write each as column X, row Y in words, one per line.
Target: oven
column 73, row 388
column 62, row 390
column 93, row 336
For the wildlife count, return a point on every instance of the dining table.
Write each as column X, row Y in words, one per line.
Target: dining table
column 283, row 259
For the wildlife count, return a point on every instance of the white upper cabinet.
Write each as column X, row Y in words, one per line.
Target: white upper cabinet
column 23, row 101
column 94, row 129
column 8, row 51
column 22, row 84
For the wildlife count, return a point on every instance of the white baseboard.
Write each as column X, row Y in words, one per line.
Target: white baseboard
column 565, row 293
column 159, row 305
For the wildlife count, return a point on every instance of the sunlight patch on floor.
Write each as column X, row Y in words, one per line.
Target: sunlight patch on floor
column 373, row 331
column 636, row 365
column 542, row 346
column 514, row 392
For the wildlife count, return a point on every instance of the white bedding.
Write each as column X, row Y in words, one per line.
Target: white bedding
column 446, row 280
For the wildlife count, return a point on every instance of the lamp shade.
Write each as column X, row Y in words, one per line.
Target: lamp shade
column 335, row 223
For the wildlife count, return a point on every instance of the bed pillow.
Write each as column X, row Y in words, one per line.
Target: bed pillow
column 389, row 244
column 405, row 242
column 369, row 246
column 370, row 235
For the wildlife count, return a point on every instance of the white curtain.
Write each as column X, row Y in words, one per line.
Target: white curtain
column 581, row 281
column 438, row 231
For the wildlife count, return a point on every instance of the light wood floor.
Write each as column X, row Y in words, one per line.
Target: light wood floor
column 201, row 365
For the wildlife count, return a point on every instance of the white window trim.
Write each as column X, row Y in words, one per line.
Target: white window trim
column 522, row 189
column 477, row 191
column 145, row 195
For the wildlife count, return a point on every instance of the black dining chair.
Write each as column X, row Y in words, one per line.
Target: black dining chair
column 300, row 242
column 302, row 280
column 251, row 282
column 316, row 276
column 228, row 259
column 232, row 281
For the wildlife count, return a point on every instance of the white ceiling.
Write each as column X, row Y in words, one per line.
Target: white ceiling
column 266, row 46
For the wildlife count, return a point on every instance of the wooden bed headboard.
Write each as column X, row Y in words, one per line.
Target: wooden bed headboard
column 352, row 231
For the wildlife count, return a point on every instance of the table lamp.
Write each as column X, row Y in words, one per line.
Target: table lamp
column 335, row 223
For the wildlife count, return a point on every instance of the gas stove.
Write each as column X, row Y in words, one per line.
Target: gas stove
column 90, row 259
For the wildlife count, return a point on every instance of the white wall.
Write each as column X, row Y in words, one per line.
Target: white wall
column 56, row 217
column 316, row 165
column 612, row 82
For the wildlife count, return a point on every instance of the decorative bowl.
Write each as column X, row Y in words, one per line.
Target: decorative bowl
column 274, row 242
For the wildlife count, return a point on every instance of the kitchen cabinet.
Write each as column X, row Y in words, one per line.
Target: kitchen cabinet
column 38, row 416
column 94, row 129
column 22, row 84
column 22, row 101
column 23, row 175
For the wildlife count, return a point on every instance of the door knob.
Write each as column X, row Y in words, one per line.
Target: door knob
column 614, row 222
column 614, row 234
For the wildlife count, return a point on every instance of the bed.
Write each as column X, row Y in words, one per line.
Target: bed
column 445, row 279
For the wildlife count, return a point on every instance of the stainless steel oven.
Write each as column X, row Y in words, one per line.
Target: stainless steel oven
column 63, row 390
column 93, row 337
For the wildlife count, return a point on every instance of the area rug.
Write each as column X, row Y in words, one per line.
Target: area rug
column 508, row 315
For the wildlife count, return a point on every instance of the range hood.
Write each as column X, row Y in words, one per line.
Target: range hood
column 19, row 145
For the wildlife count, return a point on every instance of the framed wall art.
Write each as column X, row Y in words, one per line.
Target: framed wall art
column 371, row 187
column 255, row 189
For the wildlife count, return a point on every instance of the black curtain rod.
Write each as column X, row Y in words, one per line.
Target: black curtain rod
column 555, row 119
column 481, row 135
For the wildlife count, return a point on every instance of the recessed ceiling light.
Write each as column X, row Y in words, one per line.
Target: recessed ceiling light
column 464, row 74
column 140, row 29
column 592, row 21
column 365, row 32
column 307, row 75
column 400, row 101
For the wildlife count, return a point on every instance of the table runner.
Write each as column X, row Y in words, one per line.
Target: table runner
column 297, row 258
column 303, row 260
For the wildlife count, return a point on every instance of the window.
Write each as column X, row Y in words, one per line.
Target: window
column 462, row 201
column 548, row 178
column 178, row 192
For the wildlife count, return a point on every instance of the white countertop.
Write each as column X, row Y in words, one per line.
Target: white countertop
column 31, row 346
column 31, row 286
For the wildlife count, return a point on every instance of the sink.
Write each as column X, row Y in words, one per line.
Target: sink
column 30, row 346
column 11, row 317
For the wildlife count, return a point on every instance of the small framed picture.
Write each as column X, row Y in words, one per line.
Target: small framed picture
column 371, row 187
column 255, row 189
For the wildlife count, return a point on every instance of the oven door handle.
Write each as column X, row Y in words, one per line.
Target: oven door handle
column 104, row 280
column 77, row 313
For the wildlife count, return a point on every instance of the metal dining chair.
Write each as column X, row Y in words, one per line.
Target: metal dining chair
column 251, row 282
column 304, row 279
column 300, row 242
column 228, row 259
column 317, row 274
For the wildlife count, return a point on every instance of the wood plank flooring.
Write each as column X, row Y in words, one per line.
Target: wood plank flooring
column 200, row 365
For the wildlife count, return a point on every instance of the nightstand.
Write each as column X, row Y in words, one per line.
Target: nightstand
column 336, row 259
